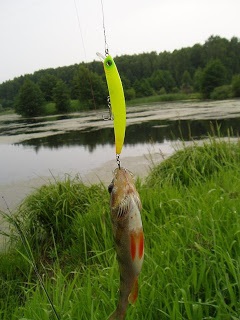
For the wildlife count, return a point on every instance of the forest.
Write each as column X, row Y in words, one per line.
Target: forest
column 211, row 69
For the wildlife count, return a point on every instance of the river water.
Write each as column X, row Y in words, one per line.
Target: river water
column 79, row 143
column 83, row 142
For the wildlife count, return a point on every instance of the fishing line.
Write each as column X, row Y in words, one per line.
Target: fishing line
column 29, row 257
column 104, row 31
column 85, row 55
column 80, row 29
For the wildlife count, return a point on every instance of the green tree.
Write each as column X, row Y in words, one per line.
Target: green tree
column 143, row 88
column 186, row 82
column 222, row 92
column 30, row 100
column 47, row 83
column 90, row 87
column 216, row 48
column 197, row 80
column 180, row 61
column 135, row 67
column 162, row 79
column 214, row 75
column 236, row 85
column 129, row 94
column 196, row 56
column 61, row 96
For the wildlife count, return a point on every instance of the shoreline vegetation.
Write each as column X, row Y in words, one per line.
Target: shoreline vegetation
column 75, row 105
column 208, row 71
column 191, row 219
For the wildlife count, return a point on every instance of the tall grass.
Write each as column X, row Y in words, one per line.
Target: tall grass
column 197, row 163
column 191, row 218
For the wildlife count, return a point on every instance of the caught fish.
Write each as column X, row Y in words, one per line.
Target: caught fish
column 117, row 100
column 128, row 235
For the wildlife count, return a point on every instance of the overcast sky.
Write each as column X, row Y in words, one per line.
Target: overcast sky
column 39, row 34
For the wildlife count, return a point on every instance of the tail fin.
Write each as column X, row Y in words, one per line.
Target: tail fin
column 117, row 316
column 134, row 293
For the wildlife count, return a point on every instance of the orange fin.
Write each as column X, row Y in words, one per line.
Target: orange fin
column 134, row 293
column 136, row 244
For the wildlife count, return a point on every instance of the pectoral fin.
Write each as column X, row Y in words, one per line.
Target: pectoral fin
column 124, row 207
column 134, row 293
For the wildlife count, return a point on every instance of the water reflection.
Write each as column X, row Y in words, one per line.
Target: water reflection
column 80, row 143
column 90, row 139
column 152, row 131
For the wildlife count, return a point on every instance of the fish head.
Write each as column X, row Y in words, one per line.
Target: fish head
column 108, row 63
column 122, row 188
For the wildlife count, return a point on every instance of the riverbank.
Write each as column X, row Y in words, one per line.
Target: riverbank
column 15, row 192
column 22, row 182
column 191, row 223
column 50, row 109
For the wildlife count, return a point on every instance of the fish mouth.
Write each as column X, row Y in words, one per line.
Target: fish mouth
column 122, row 170
column 120, row 188
column 121, row 177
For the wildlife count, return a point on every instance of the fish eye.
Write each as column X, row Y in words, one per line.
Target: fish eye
column 110, row 188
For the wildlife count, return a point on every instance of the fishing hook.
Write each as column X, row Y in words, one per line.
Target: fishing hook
column 110, row 115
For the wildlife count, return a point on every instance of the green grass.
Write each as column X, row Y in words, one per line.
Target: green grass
column 164, row 98
column 6, row 111
column 191, row 218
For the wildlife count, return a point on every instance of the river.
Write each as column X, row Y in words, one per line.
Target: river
column 35, row 150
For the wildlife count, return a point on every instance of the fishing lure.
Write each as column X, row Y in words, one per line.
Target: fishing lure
column 117, row 101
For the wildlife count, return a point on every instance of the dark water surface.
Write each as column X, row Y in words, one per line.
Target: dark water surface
column 78, row 143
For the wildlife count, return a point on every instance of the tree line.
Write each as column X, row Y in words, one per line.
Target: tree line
column 213, row 69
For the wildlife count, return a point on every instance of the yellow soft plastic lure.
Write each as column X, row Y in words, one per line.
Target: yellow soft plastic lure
column 117, row 100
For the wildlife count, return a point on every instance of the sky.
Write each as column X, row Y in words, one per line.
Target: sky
column 40, row 34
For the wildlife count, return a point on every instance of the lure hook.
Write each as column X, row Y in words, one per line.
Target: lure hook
column 110, row 115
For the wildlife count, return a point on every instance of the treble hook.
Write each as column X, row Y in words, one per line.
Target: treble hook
column 110, row 115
